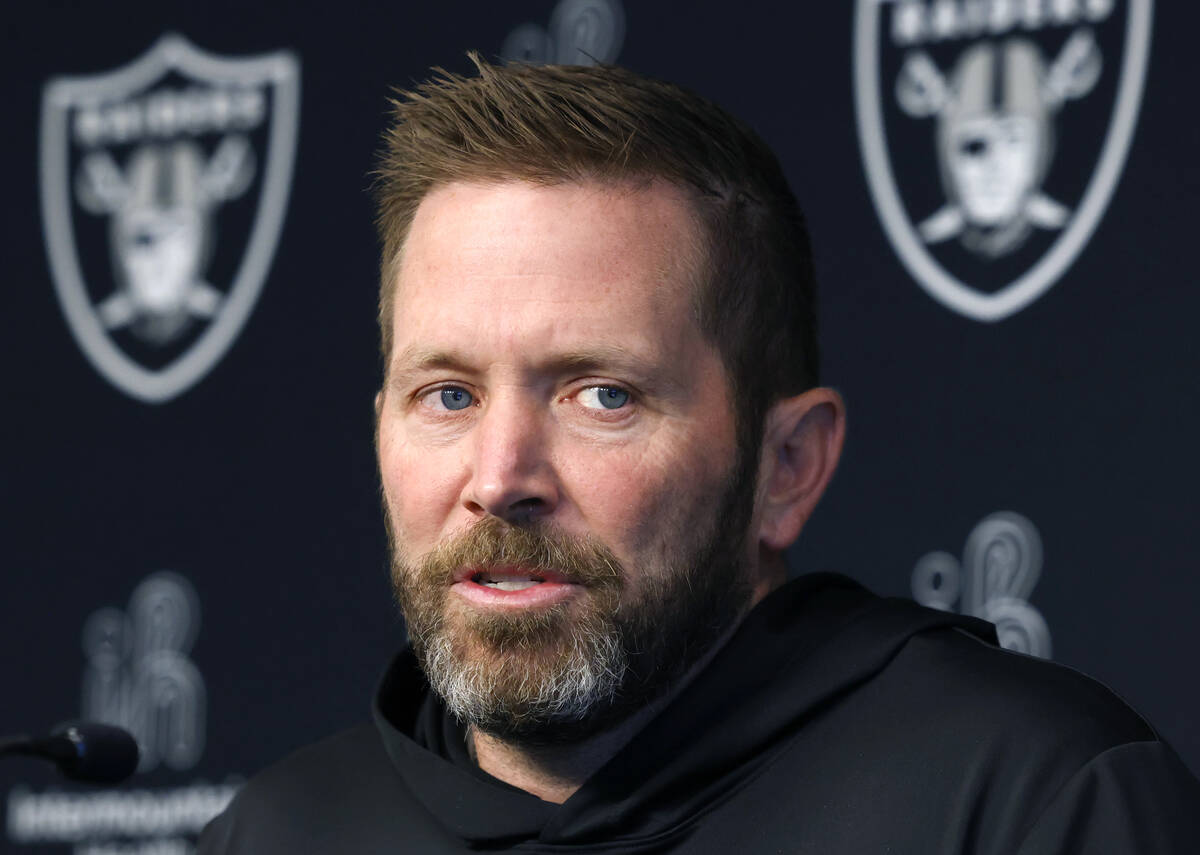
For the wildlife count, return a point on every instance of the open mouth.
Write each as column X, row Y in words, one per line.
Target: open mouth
column 506, row 582
column 514, row 586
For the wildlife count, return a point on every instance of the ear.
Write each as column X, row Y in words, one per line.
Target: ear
column 802, row 443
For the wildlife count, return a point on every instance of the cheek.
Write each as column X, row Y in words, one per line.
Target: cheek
column 420, row 487
column 633, row 499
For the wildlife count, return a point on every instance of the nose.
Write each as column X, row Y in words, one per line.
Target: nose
column 512, row 477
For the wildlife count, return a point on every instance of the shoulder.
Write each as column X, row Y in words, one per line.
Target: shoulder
column 999, row 730
column 943, row 679
column 1136, row 797
column 1035, row 702
column 324, row 791
column 1009, row 745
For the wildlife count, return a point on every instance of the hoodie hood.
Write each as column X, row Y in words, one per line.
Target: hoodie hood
column 797, row 652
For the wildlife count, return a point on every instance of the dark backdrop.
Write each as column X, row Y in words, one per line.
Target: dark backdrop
column 249, row 498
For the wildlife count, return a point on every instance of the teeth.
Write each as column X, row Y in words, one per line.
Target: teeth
column 511, row 584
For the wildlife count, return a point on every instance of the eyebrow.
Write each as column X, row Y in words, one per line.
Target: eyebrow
column 413, row 361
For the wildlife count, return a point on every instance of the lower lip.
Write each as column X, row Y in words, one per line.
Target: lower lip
column 541, row 594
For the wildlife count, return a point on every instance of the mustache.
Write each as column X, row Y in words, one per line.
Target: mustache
column 537, row 548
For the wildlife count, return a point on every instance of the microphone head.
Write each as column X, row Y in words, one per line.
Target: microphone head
column 92, row 752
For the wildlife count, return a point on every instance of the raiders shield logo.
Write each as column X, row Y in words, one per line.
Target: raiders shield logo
column 164, row 188
column 993, row 135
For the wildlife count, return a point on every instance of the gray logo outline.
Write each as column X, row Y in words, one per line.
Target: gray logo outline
column 139, row 675
column 935, row 280
column 171, row 52
column 581, row 32
column 1000, row 567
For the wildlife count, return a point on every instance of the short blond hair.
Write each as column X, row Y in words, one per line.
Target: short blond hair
column 550, row 124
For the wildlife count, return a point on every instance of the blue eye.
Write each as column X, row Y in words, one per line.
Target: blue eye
column 607, row 397
column 455, row 398
column 612, row 399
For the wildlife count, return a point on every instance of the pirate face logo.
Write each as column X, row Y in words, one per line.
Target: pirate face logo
column 147, row 166
column 978, row 121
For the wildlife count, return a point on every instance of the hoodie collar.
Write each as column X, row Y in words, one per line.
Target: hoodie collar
column 810, row 641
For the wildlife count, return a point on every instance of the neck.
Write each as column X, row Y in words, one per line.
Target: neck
column 553, row 772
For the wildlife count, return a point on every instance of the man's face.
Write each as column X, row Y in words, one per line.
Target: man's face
column 556, row 443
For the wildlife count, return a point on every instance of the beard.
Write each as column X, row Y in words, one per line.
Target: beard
column 556, row 674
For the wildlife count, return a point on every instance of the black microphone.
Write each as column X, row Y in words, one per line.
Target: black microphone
column 82, row 751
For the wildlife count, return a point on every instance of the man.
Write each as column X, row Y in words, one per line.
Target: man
column 600, row 428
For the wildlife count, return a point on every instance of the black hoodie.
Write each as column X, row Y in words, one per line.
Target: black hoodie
column 833, row 721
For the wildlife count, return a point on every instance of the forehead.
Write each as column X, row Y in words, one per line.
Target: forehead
column 513, row 264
